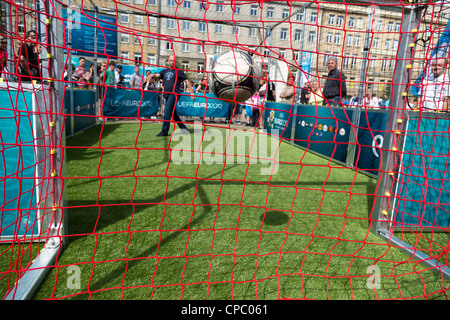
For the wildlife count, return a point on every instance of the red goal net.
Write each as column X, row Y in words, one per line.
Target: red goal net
column 127, row 174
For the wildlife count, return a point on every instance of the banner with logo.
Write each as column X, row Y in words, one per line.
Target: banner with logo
column 130, row 103
column 278, row 116
column 324, row 130
column 370, row 140
column 79, row 107
column 423, row 189
column 18, row 164
column 208, row 103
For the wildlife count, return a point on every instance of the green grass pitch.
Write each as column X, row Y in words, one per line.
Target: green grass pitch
column 142, row 227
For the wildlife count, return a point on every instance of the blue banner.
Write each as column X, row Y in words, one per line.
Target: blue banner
column 18, row 213
column 424, row 183
column 83, row 28
column 278, row 118
column 128, row 103
column 208, row 103
column 439, row 51
column 370, row 140
column 324, row 130
column 83, row 113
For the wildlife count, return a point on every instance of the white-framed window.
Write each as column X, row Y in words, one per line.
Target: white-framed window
column 384, row 64
column 313, row 17
column 349, row 40
column 186, row 25
column 345, row 61
column 235, row 30
column 138, row 19
column 186, row 46
column 326, row 56
column 387, row 44
column 351, row 21
column 151, row 58
column 397, row 27
column 124, row 38
column 237, row 10
column 202, row 26
column 152, row 21
column 312, row 36
column 138, row 1
column 217, row 50
column 200, row 66
column 331, row 19
column 252, row 32
column 124, row 55
column 394, row 44
column 297, row 35
column 285, row 13
column 354, row 61
column 171, row 3
column 339, row 20
column 376, row 42
column 152, row 2
column 283, row 35
column 138, row 40
column 137, row 57
column 357, row 41
column 359, row 23
column 337, row 38
column 219, row 28
column 282, row 53
column 201, row 48
column 329, row 37
column 390, row 26
column 219, row 6
column 378, row 24
column 187, row 4
column 124, row 18
column 254, row 10
column 270, row 12
column 185, row 65
column 170, row 23
column 151, row 41
column 372, row 63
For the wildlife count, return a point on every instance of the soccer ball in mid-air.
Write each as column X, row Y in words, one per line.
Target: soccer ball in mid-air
column 234, row 77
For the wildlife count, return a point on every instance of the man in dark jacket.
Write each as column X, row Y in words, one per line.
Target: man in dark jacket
column 335, row 89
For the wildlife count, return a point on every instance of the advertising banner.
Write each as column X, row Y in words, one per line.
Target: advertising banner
column 278, row 117
column 208, row 103
column 79, row 107
column 130, row 103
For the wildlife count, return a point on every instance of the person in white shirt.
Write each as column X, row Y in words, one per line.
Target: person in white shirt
column 375, row 102
column 435, row 91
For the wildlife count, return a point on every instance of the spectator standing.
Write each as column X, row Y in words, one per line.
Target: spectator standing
column 81, row 73
column 435, row 92
column 316, row 94
column 287, row 95
column 117, row 74
column 135, row 79
column 375, row 102
column 171, row 81
column 109, row 75
column 28, row 63
column 305, row 94
column 335, row 88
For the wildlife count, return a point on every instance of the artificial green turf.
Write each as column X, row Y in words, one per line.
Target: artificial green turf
column 143, row 227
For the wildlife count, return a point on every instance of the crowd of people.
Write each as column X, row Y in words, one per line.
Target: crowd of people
column 434, row 91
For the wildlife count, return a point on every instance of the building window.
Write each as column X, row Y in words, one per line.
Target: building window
column 138, row 19
column 124, row 18
column 270, row 11
column 397, row 27
column 200, row 66
column 235, row 30
column 187, row 4
column 337, row 38
column 237, row 10
column 185, row 65
column 349, row 40
column 283, row 35
column 186, row 46
column 151, row 41
column 312, row 36
column 219, row 6
column 378, row 25
column 298, row 35
column 151, row 59
column 329, row 37
column 124, row 56
column 124, row 38
column 152, row 21
column 346, row 60
column 339, row 20
column 354, row 61
column 254, row 10
column 285, row 14
column 359, row 22
column 387, row 44
column 390, row 26
column 252, row 32
column 137, row 57
column 331, row 19
column 170, row 23
column 171, row 3
column 186, row 25
column 351, row 22
column 357, row 40
column 313, row 17
column 219, row 28
column 202, row 27
column 376, row 42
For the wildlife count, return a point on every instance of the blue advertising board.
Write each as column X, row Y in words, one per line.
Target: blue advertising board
column 129, row 103
column 79, row 106
column 278, row 119
column 18, row 194
column 204, row 105
column 324, row 130
column 423, row 188
column 83, row 27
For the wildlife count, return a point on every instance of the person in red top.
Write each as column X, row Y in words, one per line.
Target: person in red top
column 28, row 64
column 84, row 77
